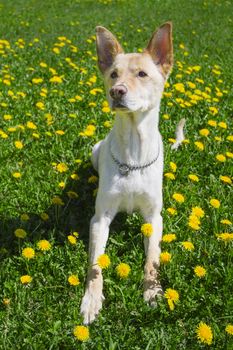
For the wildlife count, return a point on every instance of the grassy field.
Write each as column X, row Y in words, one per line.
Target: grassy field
column 52, row 111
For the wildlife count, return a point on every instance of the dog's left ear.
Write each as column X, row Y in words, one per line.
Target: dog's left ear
column 107, row 48
column 160, row 47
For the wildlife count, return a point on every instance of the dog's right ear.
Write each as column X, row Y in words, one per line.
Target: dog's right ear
column 107, row 48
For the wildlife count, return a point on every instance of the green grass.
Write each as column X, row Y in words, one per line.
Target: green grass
column 43, row 314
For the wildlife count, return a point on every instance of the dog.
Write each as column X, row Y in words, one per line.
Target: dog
column 130, row 159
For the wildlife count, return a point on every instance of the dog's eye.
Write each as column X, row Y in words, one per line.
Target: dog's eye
column 142, row 74
column 114, row 75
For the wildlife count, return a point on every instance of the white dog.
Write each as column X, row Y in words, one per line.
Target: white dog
column 130, row 159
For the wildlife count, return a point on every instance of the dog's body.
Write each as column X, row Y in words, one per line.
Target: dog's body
column 130, row 159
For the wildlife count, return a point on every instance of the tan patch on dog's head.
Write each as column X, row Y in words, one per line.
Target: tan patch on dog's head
column 135, row 81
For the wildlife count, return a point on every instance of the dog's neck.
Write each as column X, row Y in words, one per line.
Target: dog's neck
column 135, row 136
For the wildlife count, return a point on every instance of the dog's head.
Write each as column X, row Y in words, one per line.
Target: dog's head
column 135, row 81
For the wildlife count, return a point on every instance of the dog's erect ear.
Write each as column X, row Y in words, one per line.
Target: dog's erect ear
column 107, row 48
column 160, row 47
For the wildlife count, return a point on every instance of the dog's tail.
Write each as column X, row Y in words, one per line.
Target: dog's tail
column 179, row 134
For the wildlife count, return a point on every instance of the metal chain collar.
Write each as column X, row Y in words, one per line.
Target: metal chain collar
column 124, row 168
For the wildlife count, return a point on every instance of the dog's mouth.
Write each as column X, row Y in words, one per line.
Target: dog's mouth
column 118, row 105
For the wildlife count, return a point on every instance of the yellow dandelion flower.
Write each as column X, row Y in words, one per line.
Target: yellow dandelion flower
column 44, row 216
column 106, row 109
column 56, row 79
column 173, row 166
column 213, row 110
column 212, row 122
column 199, row 271
column 229, row 329
column 204, row 333
column 24, row 217
column 204, row 132
column 81, row 333
column 62, row 167
column 92, row 179
column 26, row 279
column 123, row 270
column 73, row 280
column 44, row 245
column 172, row 211
column 40, row 105
column 72, row 194
column 18, row 144
column 28, row 253
column 169, row 237
column 199, row 145
column 37, row 80
column 226, row 179
column 165, row 257
column 147, row 229
column 170, row 176
column 193, row 177
column 20, row 233
column 194, row 222
column 198, row 211
column 172, row 297
column 6, row 301
column 220, row 158
column 229, row 154
column 226, row 222
column 17, row 175
column 57, row 200
column 72, row 239
column 187, row 245
column 31, row 125
column 230, row 138
column 222, row 125
column 225, row 236
column 178, row 197
column 103, row 261
column 215, row 203
column 74, row 177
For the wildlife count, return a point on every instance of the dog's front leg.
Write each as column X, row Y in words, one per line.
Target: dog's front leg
column 152, row 286
column 93, row 297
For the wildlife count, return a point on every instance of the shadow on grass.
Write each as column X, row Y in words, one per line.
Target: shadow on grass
column 78, row 206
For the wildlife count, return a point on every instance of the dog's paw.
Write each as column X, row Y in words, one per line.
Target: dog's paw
column 152, row 291
column 91, row 305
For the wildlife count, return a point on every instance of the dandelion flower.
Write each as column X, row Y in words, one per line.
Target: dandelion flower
column 57, row 200
column 204, row 333
column 165, row 257
column 193, row 177
column 221, row 158
column 226, row 222
column 172, row 297
column 123, row 270
column 188, row 245
column 44, row 245
column 172, row 211
column 73, row 280
column 81, row 333
column 170, row 176
column 92, row 179
column 173, row 166
column 20, row 233
column 28, row 253
column 225, row 236
column 178, row 197
column 72, row 239
column 18, row 144
column 103, row 261
column 226, row 179
column 199, row 145
column 194, row 222
column 199, row 271
column 26, row 279
column 198, row 211
column 147, row 229
column 169, row 237
column 24, row 217
column 229, row 329
column 215, row 203
column 44, row 216
column 62, row 167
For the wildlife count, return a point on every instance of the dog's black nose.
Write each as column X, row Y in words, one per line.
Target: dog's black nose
column 118, row 91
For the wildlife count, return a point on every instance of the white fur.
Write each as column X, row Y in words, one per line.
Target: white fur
column 134, row 140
